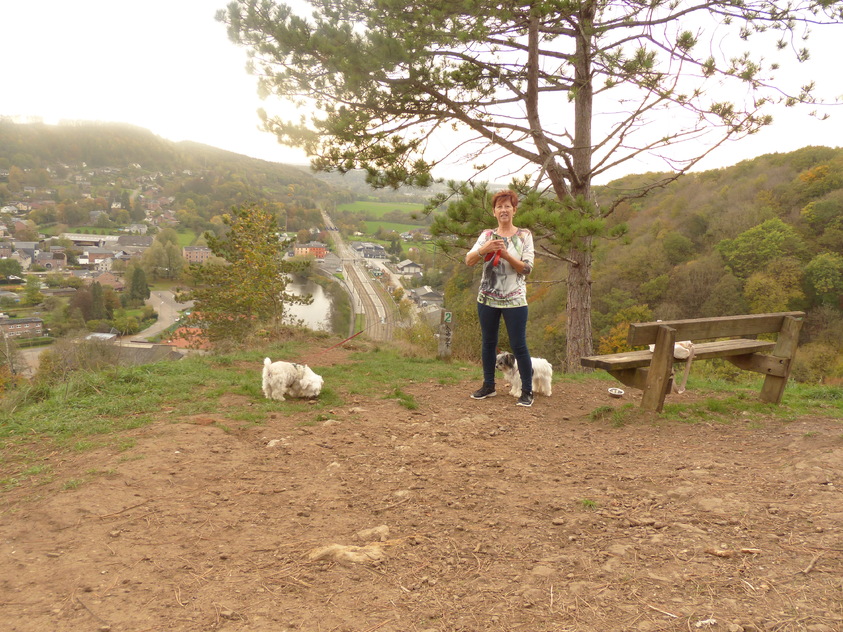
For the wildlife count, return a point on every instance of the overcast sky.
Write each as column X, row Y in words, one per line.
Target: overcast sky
column 164, row 65
column 167, row 66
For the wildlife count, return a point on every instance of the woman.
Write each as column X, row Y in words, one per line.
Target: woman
column 507, row 254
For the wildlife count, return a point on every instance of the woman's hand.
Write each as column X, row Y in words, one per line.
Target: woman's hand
column 492, row 245
column 487, row 251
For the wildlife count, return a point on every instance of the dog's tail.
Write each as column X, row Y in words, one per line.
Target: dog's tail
column 267, row 361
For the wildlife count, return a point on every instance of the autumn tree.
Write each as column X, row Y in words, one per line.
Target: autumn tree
column 757, row 247
column 32, row 291
column 11, row 361
column 245, row 289
column 98, row 311
column 10, row 267
column 824, row 277
column 163, row 259
column 561, row 90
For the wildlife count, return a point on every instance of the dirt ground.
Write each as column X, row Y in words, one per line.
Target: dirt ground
column 460, row 515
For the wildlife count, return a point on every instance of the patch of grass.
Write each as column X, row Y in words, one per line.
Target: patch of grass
column 718, row 406
column 587, row 503
column 84, row 446
column 601, row 412
column 250, row 417
column 186, row 237
column 405, row 399
column 36, row 470
column 92, row 403
column 36, row 474
column 126, row 443
column 743, row 403
column 617, row 416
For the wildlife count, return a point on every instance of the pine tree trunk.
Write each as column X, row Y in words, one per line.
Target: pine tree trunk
column 578, row 334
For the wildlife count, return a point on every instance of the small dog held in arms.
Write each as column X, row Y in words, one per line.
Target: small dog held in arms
column 291, row 379
column 542, row 374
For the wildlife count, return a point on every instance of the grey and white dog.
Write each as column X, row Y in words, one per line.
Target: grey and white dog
column 542, row 374
column 290, row 379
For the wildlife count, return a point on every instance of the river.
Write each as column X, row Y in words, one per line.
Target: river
column 317, row 315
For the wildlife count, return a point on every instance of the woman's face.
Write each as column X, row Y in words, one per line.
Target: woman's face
column 504, row 211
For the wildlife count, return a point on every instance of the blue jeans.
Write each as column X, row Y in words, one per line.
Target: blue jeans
column 515, row 319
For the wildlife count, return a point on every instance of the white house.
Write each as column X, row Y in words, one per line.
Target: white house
column 409, row 268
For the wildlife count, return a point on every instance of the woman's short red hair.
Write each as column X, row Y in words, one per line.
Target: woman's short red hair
column 505, row 195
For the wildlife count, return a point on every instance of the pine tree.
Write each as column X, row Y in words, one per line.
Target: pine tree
column 563, row 90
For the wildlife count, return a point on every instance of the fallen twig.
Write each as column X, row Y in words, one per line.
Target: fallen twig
column 93, row 614
column 117, row 513
column 662, row 611
column 811, row 564
column 377, row 626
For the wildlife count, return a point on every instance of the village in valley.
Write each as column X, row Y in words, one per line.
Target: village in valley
column 73, row 228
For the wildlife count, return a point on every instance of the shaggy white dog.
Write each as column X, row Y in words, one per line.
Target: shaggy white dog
column 289, row 378
column 542, row 374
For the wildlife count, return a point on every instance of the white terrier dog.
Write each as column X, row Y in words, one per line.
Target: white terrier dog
column 542, row 374
column 289, row 378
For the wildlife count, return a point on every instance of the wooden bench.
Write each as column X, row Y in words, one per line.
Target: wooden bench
column 652, row 371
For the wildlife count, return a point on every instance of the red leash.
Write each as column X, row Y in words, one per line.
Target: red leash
column 342, row 342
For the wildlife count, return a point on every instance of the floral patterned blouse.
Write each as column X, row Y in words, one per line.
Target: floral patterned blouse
column 500, row 285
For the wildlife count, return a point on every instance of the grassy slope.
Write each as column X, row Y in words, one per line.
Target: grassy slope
column 87, row 409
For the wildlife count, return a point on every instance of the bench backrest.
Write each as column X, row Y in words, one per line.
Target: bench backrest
column 707, row 328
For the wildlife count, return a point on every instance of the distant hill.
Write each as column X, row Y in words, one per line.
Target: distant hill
column 98, row 165
column 36, row 145
column 116, row 145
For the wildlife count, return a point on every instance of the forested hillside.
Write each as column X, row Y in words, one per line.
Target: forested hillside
column 763, row 235
column 78, row 167
column 33, row 146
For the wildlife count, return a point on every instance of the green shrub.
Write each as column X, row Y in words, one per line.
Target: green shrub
column 814, row 361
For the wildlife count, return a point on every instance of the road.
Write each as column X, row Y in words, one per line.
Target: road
column 162, row 301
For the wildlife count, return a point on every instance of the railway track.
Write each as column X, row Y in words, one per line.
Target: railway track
column 367, row 299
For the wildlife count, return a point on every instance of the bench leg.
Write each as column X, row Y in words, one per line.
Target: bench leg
column 786, row 344
column 661, row 366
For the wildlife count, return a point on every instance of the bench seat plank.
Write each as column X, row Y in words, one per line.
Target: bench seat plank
column 703, row 350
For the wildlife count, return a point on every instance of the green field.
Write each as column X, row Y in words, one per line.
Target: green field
column 372, row 227
column 53, row 231
column 186, row 237
column 379, row 209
